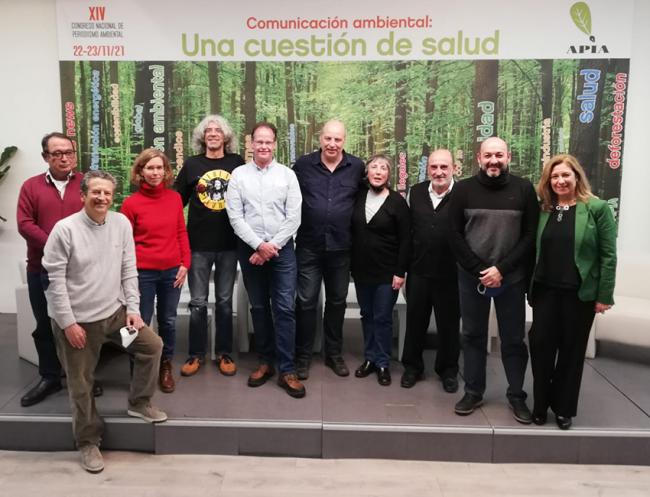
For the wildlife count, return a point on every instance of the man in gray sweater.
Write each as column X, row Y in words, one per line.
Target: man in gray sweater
column 92, row 294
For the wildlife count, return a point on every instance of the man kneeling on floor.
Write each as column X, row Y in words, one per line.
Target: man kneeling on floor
column 92, row 294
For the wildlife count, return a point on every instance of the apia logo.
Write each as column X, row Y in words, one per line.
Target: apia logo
column 581, row 16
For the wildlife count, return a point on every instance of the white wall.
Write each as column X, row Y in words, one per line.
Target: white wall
column 30, row 103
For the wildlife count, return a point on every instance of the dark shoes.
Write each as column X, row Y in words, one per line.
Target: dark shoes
column 226, row 365
column 292, row 385
column 520, row 411
column 383, row 376
column 42, row 389
column 260, row 375
column 302, row 369
column 468, row 404
column 539, row 419
column 165, row 376
column 410, row 378
column 563, row 423
column 337, row 364
column 450, row 384
column 365, row 369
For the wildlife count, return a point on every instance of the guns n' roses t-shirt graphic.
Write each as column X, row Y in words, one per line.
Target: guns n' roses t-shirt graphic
column 211, row 189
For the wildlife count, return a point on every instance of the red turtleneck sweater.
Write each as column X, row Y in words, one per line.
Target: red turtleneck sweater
column 156, row 214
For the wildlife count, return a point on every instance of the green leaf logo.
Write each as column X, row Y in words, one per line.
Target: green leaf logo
column 581, row 16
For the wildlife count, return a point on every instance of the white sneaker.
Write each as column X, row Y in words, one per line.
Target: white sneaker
column 148, row 413
column 91, row 459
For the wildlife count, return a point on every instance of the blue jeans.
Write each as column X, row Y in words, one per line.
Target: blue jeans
column 511, row 317
column 49, row 366
column 159, row 285
column 272, row 292
column 376, row 302
column 225, row 272
column 314, row 267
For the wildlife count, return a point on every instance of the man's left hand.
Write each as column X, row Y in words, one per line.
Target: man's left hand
column 491, row 277
column 397, row 282
column 134, row 320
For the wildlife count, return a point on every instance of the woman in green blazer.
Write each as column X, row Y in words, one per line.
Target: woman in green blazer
column 573, row 279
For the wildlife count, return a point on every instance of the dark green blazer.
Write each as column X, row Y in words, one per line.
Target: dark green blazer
column 595, row 249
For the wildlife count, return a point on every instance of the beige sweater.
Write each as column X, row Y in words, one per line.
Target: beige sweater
column 91, row 269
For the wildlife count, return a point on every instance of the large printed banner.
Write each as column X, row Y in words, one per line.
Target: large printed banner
column 406, row 78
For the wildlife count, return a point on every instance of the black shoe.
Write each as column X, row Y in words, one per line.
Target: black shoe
column 383, row 377
column 337, row 364
column 520, row 411
column 410, row 378
column 539, row 419
column 563, row 423
column 467, row 404
column 98, row 390
column 302, row 369
column 365, row 369
column 450, row 384
column 42, row 389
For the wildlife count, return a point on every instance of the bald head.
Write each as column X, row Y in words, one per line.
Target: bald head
column 494, row 156
column 332, row 140
column 440, row 167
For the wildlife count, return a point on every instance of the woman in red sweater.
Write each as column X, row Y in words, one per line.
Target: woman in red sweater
column 161, row 246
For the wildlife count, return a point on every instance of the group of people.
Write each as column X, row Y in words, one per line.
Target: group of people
column 94, row 275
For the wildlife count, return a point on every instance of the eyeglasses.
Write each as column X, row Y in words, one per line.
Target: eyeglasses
column 58, row 154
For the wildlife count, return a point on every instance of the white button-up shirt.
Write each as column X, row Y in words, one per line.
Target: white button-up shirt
column 264, row 204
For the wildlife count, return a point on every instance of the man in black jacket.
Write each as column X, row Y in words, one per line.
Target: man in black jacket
column 493, row 222
column 432, row 277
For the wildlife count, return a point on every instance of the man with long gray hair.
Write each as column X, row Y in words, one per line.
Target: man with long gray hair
column 202, row 182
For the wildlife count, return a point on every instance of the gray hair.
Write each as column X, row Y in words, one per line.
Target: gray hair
column 96, row 174
column 198, row 135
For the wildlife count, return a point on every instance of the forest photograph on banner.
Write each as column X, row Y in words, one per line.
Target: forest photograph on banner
column 404, row 79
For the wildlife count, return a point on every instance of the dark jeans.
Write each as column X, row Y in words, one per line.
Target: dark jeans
column 511, row 317
column 422, row 295
column 272, row 292
column 314, row 267
column 376, row 302
column 558, row 341
column 159, row 285
column 225, row 272
column 49, row 366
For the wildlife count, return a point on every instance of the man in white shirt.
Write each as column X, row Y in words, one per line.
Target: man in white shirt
column 432, row 281
column 263, row 202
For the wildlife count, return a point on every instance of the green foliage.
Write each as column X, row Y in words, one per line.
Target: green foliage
column 581, row 16
column 7, row 154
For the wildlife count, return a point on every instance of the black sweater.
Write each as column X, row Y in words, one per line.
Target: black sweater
column 380, row 248
column 431, row 254
column 493, row 223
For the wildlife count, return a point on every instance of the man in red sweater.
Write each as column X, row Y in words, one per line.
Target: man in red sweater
column 44, row 199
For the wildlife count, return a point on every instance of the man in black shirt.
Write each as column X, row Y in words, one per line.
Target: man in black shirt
column 202, row 182
column 493, row 223
column 329, row 180
column 432, row 280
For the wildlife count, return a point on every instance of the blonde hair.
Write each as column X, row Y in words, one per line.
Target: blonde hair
column 141, row 160
column 545, row 192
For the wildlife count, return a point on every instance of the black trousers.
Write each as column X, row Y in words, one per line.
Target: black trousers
column 558, row 341
column 423, row 294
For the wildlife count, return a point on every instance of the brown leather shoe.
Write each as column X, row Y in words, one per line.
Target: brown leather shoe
column 191, row 366
column 226, row 365
column 260, row 375
column 292, row 385
column 165, row 378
